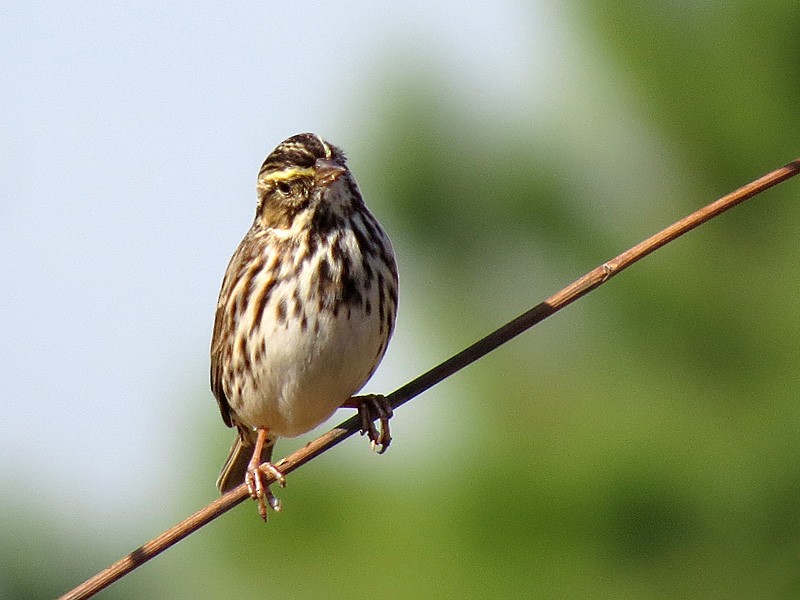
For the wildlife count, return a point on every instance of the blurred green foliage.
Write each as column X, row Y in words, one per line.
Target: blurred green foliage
column 644, row 443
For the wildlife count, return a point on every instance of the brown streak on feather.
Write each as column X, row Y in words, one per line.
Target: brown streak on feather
column 262, row 299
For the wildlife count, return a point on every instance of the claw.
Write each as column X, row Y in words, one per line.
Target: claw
column 259, row 489
column 371, row 407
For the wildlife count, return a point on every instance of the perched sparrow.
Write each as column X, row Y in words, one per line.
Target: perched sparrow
column 305, row 313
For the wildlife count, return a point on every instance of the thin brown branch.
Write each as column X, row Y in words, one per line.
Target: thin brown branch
column 554, row 303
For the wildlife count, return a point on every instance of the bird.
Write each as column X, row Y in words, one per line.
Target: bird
column 305, row 313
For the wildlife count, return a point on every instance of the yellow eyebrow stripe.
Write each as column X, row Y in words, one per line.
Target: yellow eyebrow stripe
column 291, row 173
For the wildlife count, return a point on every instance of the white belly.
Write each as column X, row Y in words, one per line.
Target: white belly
column 301, row 375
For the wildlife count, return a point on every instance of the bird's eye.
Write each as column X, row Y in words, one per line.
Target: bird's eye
column 283, row 187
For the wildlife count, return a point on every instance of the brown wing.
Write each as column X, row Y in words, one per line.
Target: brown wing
column 223, row 323
column 217, row 361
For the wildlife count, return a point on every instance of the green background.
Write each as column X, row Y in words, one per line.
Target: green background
column 644, row 442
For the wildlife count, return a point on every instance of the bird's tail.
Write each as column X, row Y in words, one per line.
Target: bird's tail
column 235, row 469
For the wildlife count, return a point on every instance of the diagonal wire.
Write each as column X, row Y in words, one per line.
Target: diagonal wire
column 525, row 321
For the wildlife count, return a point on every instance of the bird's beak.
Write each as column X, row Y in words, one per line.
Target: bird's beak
column 326, row 171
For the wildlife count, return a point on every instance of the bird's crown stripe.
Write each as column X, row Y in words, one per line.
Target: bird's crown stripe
column 289, row 173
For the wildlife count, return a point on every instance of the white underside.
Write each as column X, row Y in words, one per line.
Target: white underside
column 304, row 377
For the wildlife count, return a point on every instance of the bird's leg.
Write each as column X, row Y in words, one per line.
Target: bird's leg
column 259, row 490
column 371, row 407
